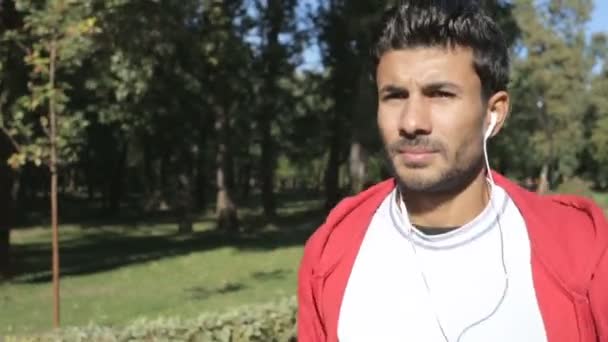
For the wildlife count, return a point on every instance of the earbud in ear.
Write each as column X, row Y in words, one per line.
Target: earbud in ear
column 492, row 125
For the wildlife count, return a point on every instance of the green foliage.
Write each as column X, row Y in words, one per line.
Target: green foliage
column 264, row 323
column 599, row 101
column 552, row 71
column 150, row 77
column 56, row 37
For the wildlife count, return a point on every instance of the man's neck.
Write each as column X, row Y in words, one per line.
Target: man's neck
column 449, row 209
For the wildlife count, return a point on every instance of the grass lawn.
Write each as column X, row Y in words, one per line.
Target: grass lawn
column 114, row 274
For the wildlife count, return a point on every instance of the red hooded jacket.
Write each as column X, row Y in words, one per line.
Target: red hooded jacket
column 568, row 240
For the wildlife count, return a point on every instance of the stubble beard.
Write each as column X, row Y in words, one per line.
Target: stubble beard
column 455, row 178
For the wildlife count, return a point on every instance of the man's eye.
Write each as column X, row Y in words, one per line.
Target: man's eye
column 439, row 93
column 394, row 96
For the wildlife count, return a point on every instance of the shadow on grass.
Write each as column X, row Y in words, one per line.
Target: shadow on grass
column 271, row 275
column 202, row 293
column 105, row 250
column 91, row 214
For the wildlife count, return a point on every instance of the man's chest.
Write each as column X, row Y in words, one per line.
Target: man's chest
column 399, row 292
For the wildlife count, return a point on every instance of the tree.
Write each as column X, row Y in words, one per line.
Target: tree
column 12, row 79
column 8, row 203
column 364, row 19
column 556, row 64
column 276, row 17
column 340, row 60
column 599, row 89
column 227, row 61
column 55, row 37
column 305, row 151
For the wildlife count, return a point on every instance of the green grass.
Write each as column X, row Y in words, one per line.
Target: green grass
column 601, row 198
column 112, row 275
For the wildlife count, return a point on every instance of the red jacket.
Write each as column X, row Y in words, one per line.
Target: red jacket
column 568, row 239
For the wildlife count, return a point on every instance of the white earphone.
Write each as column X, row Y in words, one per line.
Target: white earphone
column 488, row 133
column 492, row 125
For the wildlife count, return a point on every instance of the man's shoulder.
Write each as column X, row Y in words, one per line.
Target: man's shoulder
column 579, row 214
column 568, row 233
column 348, row 205
column 569, row 209
column 563, row 210
column 575, row 203
column 574, row 219
column 356, row 207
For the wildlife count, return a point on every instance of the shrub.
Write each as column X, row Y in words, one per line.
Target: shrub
column 274, row 322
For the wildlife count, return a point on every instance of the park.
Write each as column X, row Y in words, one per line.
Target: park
column 162, row 164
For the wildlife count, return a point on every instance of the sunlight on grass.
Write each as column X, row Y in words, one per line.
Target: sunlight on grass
column 112, row 275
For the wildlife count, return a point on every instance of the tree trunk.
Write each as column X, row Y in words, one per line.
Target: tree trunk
column 53, row 118
column 245, row 179
column 10, row 19
column 152, row 170
column 267, row 169
column 185, row 192
column 164, row 172
column 89, row 179
column 543, row 185
column 276, row 17
column 202, row 183
column 357, row 167
column 117, row 183
column 185, row 225
column 156, row 198
column 9, row 185
column 332, row 170
column 343, row 63
column 202, row 174
column 362, row 136
column 71, row 184
column 5, row 248
column 184, row 204
column 148, row 169
column 548, row 124
column 226, row 211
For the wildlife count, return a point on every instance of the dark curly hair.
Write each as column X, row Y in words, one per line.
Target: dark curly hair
column 448, row 23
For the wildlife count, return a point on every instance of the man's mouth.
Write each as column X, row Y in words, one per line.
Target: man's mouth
column 417, row 156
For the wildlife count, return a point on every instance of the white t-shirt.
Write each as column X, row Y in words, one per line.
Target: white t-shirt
column 408, row 286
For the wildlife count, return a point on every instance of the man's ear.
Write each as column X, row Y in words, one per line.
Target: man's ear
column 499, row 105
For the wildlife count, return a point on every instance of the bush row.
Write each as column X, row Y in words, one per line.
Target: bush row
column 273, row 322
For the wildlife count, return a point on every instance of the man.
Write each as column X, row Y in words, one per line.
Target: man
column 449, row 250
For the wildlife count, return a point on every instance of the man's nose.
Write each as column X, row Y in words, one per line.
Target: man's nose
column 415, row 117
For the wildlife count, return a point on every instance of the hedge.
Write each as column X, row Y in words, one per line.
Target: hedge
column 273, row 322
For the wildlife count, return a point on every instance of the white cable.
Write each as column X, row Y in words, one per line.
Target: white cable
column 488, row 170
column 502, row 246
column 420, row 269
column 502, row 251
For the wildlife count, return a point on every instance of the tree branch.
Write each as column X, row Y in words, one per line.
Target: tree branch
column 24, row 48
column 13, row 142
column 11, row 139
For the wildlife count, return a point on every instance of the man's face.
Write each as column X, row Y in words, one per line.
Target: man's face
column 430, row 115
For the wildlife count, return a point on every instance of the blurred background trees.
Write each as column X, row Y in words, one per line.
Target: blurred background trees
column 206, row 105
